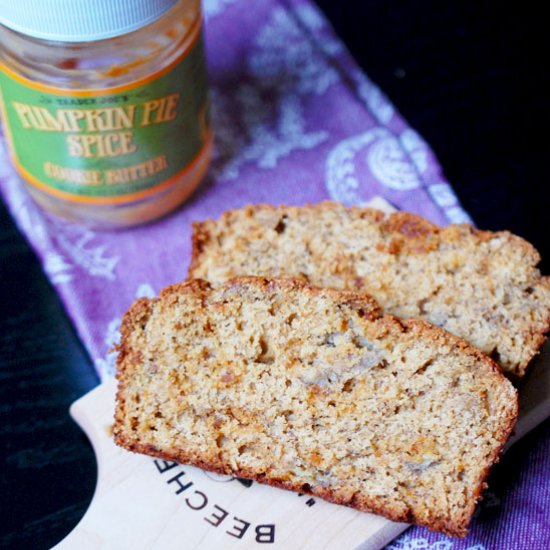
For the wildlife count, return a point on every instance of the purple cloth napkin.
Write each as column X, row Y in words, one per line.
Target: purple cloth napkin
column 296, row 122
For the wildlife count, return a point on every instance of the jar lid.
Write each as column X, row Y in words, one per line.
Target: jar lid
column 80, row 20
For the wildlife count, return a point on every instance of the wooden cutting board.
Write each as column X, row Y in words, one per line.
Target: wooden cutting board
column 143, row 503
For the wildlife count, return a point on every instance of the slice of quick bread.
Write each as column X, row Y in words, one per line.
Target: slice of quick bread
column 313, row 390
column 479, row 285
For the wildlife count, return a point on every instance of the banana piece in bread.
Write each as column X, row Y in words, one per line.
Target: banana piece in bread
column 479, row 285
column 316, row 391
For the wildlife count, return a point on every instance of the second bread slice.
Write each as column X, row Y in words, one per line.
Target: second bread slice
column 481, row 286
column 313, row 390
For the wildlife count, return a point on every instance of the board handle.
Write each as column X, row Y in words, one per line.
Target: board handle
column 88, row 533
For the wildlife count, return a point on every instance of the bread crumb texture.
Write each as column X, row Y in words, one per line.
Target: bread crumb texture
column 479, row 285
column 313, row 390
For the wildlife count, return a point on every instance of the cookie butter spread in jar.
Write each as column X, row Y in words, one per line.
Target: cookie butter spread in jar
column 105, row 105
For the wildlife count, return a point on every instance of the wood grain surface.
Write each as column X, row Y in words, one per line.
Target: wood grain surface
column 148, row 504
column 469, row 76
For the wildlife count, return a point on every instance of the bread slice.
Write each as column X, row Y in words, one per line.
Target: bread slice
column 479, row 285
column 315, row 391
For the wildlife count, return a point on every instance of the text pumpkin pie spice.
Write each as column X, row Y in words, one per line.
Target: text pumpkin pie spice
column 111, row 127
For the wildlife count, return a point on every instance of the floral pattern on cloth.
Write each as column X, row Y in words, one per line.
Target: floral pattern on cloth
column 408, row 542
column 296, row 122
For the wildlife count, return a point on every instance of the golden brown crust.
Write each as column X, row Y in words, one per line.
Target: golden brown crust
column 415, row 330
column 404, row 236
column 199, row 240
column 363, row 505
column 408, row 227
column 360, row 504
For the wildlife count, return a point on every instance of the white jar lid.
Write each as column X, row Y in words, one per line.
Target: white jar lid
column 80, row 20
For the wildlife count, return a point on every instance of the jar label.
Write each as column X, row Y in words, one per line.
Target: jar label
column 110, row 145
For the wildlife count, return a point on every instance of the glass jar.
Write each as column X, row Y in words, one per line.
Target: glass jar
column 109, row 132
